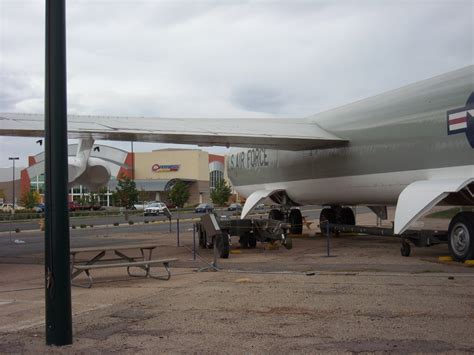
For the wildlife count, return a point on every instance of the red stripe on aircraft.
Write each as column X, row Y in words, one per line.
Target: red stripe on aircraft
column 457, row 120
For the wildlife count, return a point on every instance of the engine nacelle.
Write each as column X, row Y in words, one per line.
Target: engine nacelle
column 93, row 172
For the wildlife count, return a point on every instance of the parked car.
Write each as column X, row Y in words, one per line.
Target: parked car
column 155, row 209
column 7, row 207
column 170, row 204
column 74, row 206
column 234, row 207
column 39, row 208
column 204, row 208
column 259, row 207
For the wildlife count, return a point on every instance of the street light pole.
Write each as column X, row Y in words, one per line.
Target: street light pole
column 13, row 180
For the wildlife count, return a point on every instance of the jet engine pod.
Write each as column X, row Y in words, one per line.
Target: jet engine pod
column 95, row 175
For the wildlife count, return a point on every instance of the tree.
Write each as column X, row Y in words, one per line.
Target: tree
column 221, row 193
column 179, row 193
column 126, row 193
column 30, row 199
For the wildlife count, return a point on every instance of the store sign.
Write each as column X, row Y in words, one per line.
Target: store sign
column 162, row 168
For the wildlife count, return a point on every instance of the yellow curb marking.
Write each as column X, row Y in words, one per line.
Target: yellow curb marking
column 243, row 280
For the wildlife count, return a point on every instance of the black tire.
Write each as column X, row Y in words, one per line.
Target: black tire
column 461, row 236
column 347, row 216
column 326, row 215
column 252, row 241
column 296, row 221
column 405, row 249
column 275, row 214
column 244, row 241
column 288, row 244
column 223, row 246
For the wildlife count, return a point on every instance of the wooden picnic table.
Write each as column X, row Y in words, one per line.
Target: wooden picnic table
column 97, row 261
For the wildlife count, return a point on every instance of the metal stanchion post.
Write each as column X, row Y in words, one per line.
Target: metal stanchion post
column 328, row 242
column 11, row 226
column 328, row 247
column 214, row 262
column 177, row 230
column 194, row 242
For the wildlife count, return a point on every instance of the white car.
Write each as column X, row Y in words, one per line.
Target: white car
column 155, row 209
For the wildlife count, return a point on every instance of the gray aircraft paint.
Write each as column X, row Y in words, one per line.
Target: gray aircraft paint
column 402, row 130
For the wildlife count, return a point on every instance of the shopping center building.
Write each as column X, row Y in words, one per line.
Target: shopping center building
column 153, row 172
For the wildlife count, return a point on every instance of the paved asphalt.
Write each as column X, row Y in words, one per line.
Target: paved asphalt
column 29, row 241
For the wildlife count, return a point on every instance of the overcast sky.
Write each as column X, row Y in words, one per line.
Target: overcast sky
column 227, row 59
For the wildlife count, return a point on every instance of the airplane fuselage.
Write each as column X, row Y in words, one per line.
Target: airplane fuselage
column 395, row 139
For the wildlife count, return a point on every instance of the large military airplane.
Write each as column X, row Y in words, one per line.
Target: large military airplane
column 411, row 147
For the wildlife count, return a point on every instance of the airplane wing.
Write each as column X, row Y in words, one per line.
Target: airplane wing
column 287, row 134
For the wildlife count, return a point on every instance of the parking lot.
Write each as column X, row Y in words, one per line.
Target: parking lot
column 365, row 297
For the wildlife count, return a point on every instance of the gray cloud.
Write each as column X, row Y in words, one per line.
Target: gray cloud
column 230, row 59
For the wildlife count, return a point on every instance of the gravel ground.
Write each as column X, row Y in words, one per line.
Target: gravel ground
column 365, row 299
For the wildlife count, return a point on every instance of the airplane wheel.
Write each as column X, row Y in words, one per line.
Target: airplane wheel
column 275, row 214
column 405, row 249
column 326, row 215
column 347, row 216
column 461, row 236
column 223, row 246
column 296, row 221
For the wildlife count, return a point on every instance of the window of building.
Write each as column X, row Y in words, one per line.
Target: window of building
column 214, row 177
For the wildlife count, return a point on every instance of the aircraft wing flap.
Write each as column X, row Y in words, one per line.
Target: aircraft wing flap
column 287, row 134
column 420, row 196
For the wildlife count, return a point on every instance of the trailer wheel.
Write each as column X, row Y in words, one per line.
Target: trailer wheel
column 244, row 241
column 296, row 221
column 405, row 249
column 275, row 214
column 461, row 236
column 288, row 243
column 252, row 242
column 223, row 245
column 347, row 216
column 326, row 215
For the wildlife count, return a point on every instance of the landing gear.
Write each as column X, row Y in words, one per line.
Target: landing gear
column 461, row 236
column 346, row 216
column 296, row 220
column 336, row 215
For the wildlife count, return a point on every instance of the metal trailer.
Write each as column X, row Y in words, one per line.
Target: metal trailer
column 212, row 229
column 419, row 238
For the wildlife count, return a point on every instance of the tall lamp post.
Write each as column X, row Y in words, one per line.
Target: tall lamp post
column 13, row 159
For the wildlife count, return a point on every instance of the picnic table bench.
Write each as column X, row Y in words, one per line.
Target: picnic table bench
column 144, row 261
